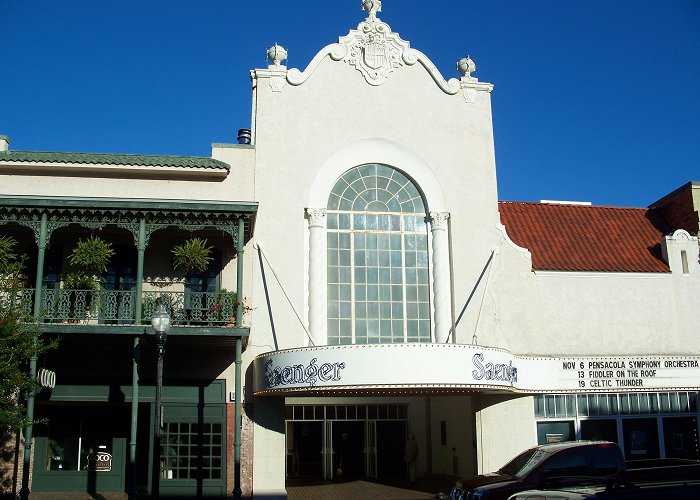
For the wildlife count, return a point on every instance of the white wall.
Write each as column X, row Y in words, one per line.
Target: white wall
column 504, row 428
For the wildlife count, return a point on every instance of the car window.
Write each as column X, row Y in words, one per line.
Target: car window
column 524, row 463
column 603, row 461
column 567, row 463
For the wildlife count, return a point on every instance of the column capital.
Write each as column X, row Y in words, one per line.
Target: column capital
column 438, row 220
column 317, row 217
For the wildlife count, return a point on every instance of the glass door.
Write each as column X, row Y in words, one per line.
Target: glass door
column 348, row 446
column 681, row 437
column 641, row 437
column 371, row 449
column 305, row 449
column 327, row 450
column 118, row 283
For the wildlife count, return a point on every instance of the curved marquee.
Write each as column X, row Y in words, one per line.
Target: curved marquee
column 440, row 368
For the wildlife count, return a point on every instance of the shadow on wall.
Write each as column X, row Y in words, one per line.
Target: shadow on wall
column 483, row 402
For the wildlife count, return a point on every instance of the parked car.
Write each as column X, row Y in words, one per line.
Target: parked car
column 570, row 464
column 615, row 489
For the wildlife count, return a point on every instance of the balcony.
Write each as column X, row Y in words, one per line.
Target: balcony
column 121, row 297
column 118, row 307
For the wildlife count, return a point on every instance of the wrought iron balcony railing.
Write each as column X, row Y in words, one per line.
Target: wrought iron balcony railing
column 118, row 307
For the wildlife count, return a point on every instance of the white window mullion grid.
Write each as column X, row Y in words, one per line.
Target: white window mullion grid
column 404, row 303
column 402, row 234
column 353, row 315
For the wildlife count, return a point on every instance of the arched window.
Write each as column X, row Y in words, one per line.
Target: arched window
column 377, row 244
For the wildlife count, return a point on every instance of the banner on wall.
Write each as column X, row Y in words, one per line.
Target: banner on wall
column 464, row 367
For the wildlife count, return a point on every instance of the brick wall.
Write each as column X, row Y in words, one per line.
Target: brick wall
column 11, row 454
column 678, row 209
column 246, row 449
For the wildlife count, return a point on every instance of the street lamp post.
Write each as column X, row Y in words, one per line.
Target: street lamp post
column 161, row 324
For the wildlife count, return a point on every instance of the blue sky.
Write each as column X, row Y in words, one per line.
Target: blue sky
column 594, row 100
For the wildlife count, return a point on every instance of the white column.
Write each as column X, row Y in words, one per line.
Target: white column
column 317, row 275
column 441, row 276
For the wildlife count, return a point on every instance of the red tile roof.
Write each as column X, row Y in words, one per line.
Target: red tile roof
column 587, row 238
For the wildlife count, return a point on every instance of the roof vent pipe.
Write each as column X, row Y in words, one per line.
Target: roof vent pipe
column 4, row 143
column 244, row 136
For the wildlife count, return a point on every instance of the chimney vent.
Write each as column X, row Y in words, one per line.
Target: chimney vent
column 244, row 136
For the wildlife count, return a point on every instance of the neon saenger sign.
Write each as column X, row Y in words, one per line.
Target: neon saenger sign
column 309, row 374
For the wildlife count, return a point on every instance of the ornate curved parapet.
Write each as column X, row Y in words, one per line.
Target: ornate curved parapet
column 334, row 50
column 375, row 51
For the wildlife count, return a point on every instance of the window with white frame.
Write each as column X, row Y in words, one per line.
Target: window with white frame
column 646, row 424
column 377, row 244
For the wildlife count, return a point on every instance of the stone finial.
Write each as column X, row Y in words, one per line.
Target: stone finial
column 372, row 7
column 4, row 143
column 276, row 54
column 466, row 67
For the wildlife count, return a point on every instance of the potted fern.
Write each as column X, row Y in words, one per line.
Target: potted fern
column 192, row 255
column 89, row 258
column 92, row 255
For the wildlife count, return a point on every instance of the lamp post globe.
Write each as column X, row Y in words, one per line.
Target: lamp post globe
column 160, row 321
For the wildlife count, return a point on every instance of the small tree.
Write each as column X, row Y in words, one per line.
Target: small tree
column 19, row 341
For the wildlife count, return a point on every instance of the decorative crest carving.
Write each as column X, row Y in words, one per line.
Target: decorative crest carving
column 375, row 51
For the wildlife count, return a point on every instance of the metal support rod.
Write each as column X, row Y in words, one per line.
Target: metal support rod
column 141, row 248
column 239, row 272
column 136, row 357
column 471, row 295
column 238, row 390
column 24, row 492
column 237, row 491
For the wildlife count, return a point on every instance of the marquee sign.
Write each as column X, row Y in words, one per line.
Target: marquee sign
column 464, row 367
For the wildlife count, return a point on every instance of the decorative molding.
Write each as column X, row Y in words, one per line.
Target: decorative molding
column 127, row 218
column 372, row 7
column 375, row 51
column 317, row 217
column 276, row 71
column 276, row 54
column 438, row 220
column 469, row 94
column 502, row 229
column 470, row 86
column 277, row 82
column 51, row 226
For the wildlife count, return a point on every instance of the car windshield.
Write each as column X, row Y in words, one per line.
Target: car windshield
column 523, row 463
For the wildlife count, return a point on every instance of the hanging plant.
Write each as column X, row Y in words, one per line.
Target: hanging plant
column 92, row 255
column 192, row 255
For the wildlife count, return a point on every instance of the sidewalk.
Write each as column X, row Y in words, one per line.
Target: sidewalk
column 398, row 489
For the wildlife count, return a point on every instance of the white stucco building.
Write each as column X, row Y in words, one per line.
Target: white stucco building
column 393, row 294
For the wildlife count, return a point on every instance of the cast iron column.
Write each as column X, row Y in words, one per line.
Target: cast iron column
column 39, row 283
